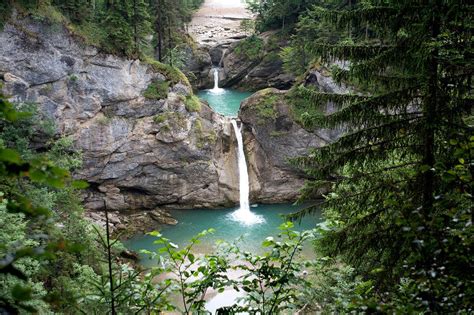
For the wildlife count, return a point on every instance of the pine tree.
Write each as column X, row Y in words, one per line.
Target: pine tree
column 78, row 11
column 393, row 206
column 118, row 28
column 141, row 25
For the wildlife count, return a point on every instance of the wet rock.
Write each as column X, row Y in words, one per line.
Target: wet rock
column 162, row 216
column 129, row 254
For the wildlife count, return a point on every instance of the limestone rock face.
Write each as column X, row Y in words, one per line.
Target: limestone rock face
column 138, row 153
column 272, row 137
column 197, row 66
column 262, row 69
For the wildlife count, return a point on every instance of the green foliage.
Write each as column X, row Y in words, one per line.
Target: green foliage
column 174, row 75
column 119, row 36
column 33, row 192
column 247, row 26
column 192, row 103
column 273, row 281
column 161, row 118
column 393, row 206
column 192, row 275
column 310, row 30
column 170, row 120
column 304, row 110
column 157, row 90
column 265, row 108
column 5, row 12
column 76, row 10
column 275, row 14
column 251, row 48
column 140, row 22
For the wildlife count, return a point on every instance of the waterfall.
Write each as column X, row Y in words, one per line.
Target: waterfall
column 216, row 89
column 243, row 214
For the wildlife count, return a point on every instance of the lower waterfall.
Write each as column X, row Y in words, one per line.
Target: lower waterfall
column 243, row 214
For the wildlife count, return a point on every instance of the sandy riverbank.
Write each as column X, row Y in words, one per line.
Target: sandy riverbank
column 218, row 21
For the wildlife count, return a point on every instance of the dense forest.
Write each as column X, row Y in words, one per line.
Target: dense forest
column 397, row 235
column 132, row 28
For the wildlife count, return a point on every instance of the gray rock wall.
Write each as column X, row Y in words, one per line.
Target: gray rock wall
column 261, row 71
column 272, row 138
column 138, row 153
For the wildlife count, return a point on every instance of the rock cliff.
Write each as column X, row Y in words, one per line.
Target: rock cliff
column 249, row 63
column 139, row 152
column 272, row 137
column 254, row 63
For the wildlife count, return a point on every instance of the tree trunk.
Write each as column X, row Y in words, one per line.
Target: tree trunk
column 159, row 30
column 430, row 106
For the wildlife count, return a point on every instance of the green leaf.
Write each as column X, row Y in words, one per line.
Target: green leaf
column 80, row 184
column 11, row 156
column 155, row 233
column 21, row 293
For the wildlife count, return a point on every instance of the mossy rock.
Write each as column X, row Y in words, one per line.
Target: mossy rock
column 203, row 138
column 192, row 103
column 173, row 74
column 266, row 107
column 157, row 90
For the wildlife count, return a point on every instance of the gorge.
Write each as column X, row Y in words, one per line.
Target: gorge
column 139, row 152
column 195, row 157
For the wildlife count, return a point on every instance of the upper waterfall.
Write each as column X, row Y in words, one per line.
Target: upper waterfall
column 216, row 89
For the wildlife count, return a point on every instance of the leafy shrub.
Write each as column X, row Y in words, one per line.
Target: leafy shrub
column 250, row 48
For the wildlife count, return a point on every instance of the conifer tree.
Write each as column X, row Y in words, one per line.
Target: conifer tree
column 398, row 207
column 77, row 10
column 117, row 26
column 141, row 25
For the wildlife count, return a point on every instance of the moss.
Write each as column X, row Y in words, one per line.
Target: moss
column 250, row 48
column 46, row 89
column 73, row 78
column 265, row 108
column 174, row 75
column 192, row 103
column 165, row 128
column 198, row 125
column 170, row 120
column 157, row 90
column 276, row 133
column 202, row 138
column 161, row 118
column 272, row 56
column 104, row 120
column 89, row 33
column 302, row 110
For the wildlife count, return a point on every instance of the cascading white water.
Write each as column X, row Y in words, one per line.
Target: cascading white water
column 216, row 89
column 216, row 79
column 243, row 214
